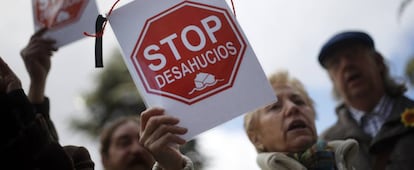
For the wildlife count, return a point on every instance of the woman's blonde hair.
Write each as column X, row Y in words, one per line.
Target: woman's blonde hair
column 276, row 79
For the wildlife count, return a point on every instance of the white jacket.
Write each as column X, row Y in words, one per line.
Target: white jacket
column 345, row 151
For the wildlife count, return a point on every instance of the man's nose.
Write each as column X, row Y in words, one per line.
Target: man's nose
column 136, row 147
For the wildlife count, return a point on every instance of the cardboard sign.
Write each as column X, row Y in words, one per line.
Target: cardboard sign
column 191, row 58
column 66, row 19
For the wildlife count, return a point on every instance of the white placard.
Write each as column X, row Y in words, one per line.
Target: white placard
column 191, row 58
column 66, row 19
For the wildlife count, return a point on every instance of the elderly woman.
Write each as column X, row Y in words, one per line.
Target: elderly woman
column 285, row 136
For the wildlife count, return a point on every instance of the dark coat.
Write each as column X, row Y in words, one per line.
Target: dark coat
column 391, row 149
column 29, row 138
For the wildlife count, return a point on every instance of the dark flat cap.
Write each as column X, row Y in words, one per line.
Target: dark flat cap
column 348, row 36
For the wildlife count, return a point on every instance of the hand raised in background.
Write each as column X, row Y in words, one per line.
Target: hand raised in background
column 37, row 59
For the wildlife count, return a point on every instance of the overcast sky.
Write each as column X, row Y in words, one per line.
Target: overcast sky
column 284, row 35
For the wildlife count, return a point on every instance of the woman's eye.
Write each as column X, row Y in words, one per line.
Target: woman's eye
column 299, row 102
column 275, row 107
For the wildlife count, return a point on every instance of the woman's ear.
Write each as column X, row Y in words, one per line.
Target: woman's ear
column 255, row 139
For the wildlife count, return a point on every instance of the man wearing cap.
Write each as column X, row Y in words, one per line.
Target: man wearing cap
column 372, row 107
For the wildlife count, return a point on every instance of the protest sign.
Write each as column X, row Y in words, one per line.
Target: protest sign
column 66, row 19
column 191, row 58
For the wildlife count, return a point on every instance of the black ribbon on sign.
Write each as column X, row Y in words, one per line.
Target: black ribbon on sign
column 100, row 20
column 99, row 30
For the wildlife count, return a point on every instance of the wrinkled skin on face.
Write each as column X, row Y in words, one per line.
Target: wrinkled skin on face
column 356, row 72
column 287, row 125
column 125, row 151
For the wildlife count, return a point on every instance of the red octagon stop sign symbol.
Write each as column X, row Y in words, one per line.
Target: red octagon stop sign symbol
column 189, row 52
column 57, row 13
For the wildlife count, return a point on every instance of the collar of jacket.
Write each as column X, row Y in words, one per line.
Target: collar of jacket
column 393, row 126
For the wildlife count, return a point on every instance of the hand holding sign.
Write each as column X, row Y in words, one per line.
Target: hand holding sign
column 159, row 134
column 37, row 59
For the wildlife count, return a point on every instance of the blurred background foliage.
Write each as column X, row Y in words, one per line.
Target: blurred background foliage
column 404, row 4
column 409, row 71
column 409, row 68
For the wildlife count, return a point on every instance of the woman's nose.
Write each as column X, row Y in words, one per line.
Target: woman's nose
column 291, row 108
